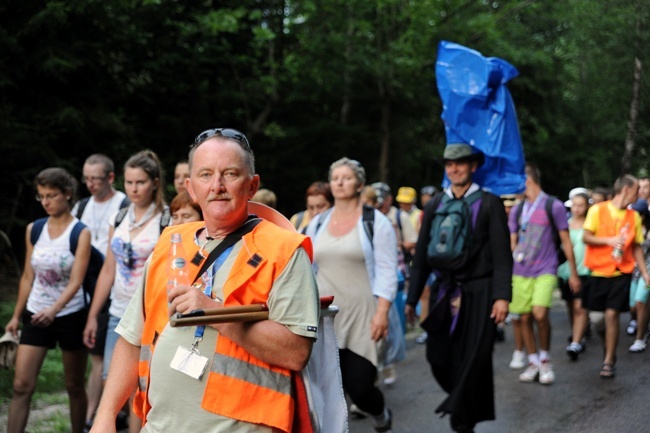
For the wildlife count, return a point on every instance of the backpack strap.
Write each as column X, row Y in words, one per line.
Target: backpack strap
column 37, row 228
column 299, row 219
column 321, row 218
column 398, row 218
column 120, row 216
column 74, row 236
column 81, row 206
column 165, row 219
column 549, row 214
column 518, row 210
column 437, row 199
column 368, row 219
column 125, row 202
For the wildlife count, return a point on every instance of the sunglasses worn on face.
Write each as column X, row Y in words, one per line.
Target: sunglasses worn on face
column 232, row 134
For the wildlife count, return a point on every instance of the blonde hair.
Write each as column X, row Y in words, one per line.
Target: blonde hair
column 265, row 196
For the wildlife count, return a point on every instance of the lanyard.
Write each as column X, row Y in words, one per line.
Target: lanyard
column 208, row 277
column 527, row 211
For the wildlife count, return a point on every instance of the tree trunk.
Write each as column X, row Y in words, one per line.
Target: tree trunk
column 630, row 139
column 384, row 128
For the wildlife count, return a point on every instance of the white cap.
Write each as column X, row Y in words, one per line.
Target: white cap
column 573, row 193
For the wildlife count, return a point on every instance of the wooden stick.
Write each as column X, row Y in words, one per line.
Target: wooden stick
column 176, row 321
column 240, row 313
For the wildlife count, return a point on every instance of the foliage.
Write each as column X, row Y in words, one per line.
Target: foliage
column 308, row 81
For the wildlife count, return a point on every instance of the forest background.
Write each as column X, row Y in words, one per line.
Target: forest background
column 310, row 81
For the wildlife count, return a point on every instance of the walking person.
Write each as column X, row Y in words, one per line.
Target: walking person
column 644, row 195
column 51, row 304
column 578, row 316
column 95, row 212
column 468, row 299
column 534, row 227
column 359, row 270
column 638, row 289
column 134, row 233
column 318, row 198
column 613, row 234
column 246, row 370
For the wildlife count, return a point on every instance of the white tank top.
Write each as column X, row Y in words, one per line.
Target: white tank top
column 52, row 262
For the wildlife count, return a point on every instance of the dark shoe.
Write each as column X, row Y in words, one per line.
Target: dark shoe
column 500, row 334
column 122, row 421
column 573, row 350
column 387, row 425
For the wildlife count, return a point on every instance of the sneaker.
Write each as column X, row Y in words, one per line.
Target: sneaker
column 573, row 350
column 546, row 374
column 422, row 338
column 386, row 426
column 389, row 374
column 631, row 327
column 356, row 413
column 638, row 346
column 530, row 374
column 518, row 360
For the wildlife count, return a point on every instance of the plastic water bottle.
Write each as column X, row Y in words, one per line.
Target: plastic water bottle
column 178, row 268
column 617, row 252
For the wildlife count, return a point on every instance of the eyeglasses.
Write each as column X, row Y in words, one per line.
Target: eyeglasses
column 46, row 197
column 93, row 179
column 232, row 134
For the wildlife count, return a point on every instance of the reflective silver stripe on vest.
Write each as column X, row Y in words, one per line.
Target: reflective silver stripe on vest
column 142, row 383
column 145, row 356
column 251, row 373
column 145, row 353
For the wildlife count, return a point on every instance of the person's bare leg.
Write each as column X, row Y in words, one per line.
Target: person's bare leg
column 641, row 320
column 95, row 385
column 580, row 321
column 611, row 335
column 528, row 334
column 74, row 366
column 543, row 327
column 29, row 360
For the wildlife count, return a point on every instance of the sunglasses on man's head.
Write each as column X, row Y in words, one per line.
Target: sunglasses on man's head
column 233, row 134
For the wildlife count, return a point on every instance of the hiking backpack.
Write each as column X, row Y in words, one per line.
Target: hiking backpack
column 94, row 263
column 451, row 233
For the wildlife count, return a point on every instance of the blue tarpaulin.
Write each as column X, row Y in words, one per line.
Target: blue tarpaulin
column 478, row 110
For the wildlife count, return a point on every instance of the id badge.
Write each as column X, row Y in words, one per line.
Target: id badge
column 189, row 362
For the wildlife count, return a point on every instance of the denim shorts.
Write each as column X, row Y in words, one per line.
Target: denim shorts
column 111, row 341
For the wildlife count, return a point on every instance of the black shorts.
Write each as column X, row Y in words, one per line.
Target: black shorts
column 102, row 327
column 565, row 289
column 65, row 330
column 608, row 293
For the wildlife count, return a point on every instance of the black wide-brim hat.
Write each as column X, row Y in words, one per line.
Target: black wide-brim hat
column 456, row 151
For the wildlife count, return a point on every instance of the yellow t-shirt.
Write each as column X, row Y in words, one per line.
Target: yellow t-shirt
column 592, row 222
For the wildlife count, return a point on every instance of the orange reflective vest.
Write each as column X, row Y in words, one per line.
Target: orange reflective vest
column 239, row 386
column 598, row 258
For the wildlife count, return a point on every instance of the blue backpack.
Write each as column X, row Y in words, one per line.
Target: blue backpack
column 451, row 232
column 96, row 257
